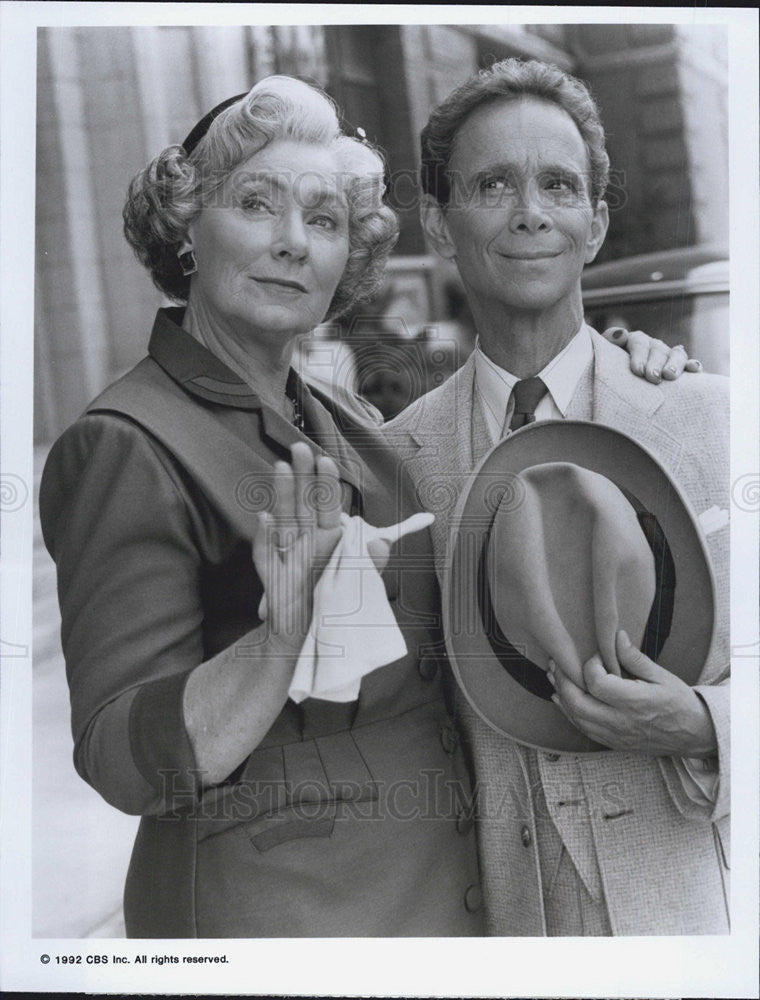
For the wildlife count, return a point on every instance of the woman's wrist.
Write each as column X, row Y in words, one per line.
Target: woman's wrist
column 232, row 699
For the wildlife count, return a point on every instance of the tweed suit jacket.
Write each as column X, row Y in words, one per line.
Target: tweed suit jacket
column 638, row 841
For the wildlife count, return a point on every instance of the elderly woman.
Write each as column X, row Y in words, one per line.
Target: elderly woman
column 265, row 811
column 262, row 816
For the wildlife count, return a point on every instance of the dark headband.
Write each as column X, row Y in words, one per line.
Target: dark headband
column 204, row 124
column 202, row 127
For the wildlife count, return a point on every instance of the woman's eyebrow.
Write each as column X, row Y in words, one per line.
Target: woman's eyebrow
column 271, row 178
column 324, row 197
column 286, row 181
column 331, row 196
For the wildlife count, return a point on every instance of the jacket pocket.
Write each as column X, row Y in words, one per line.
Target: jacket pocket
column 294, row 792
column 294, row 822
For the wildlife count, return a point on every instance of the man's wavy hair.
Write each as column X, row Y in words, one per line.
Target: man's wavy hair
column 511, row 79
column 168, row 195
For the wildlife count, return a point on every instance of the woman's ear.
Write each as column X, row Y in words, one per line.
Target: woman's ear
column 599, row 226
column 433, row 219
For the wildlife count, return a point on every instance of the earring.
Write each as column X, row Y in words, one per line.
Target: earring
column 187, row 262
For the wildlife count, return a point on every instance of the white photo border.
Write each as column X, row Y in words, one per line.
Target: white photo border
column 681, row 966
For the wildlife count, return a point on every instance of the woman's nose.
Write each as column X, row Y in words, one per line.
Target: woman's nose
column 290, row 239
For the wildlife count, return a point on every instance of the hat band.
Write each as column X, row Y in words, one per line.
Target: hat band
column 532, row 677
column 660, row 618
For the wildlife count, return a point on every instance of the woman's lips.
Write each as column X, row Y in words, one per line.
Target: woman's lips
column 295, row 286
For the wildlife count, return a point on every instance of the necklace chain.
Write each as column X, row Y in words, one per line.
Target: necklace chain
column 294, row 395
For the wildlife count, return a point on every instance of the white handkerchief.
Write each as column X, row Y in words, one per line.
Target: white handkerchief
column 353, row 629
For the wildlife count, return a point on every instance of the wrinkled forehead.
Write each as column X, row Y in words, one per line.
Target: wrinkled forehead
column 307, row 173
column 526, row 130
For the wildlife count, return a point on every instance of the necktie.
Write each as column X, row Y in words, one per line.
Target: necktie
column 528, row 393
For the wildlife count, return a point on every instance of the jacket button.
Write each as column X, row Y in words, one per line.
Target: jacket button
column 473, row 899
column 427, row 668
column 551, row 757
column 465, row 821
column 525, row 837
column 449, row 739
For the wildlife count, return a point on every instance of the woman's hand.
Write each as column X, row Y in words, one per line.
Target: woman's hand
column 650, row 358
column 231, row 700
column 295, row 540
column 652, row 712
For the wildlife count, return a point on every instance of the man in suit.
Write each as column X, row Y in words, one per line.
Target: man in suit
column 632, row 840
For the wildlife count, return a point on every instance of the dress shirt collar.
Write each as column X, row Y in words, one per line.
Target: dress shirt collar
column 560, row 376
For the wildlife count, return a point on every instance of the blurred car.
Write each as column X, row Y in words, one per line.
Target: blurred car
column 680, row 296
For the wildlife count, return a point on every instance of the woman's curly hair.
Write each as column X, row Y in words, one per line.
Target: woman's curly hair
column 168, row 195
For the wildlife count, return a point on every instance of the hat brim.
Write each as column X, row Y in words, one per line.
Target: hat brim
column 500, row 700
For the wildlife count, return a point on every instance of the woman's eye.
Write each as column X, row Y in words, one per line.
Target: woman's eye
column 254, row 203
column 324, row 222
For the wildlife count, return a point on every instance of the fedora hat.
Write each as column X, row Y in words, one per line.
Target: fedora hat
column 566, row 532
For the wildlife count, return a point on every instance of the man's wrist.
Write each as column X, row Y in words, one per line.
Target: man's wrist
column 705, row 739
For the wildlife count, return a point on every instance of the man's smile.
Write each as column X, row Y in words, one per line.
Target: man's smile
column 532, row 255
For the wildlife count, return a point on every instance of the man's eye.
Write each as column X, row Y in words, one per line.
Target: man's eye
column 497, row 184
column 560, row 183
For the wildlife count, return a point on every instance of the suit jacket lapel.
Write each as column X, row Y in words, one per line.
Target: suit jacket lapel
column 444, row 460
column 581, row 405
column 480, row 440
column 630, row 404
column 631, row 401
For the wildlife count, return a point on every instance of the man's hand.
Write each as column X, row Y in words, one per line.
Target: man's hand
column 652, row 713
column 650, row 358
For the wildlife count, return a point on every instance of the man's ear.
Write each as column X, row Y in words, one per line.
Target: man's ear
column 433, row 219
column 599, row 226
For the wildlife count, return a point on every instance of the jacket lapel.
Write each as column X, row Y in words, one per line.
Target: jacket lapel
column 444, row 459
column 621, row 399
column 581, row 405
column 327, row 437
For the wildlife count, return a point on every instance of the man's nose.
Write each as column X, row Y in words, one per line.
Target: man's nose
column 529, row 214
column 290, row 238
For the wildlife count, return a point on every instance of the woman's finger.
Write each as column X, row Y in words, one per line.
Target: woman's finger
column 260, row 544
column 616, row 335
column 283, row 508
column 676, row 362
column 658, row 356
column 327, row 493
column 302, row 462
column 637, row 345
